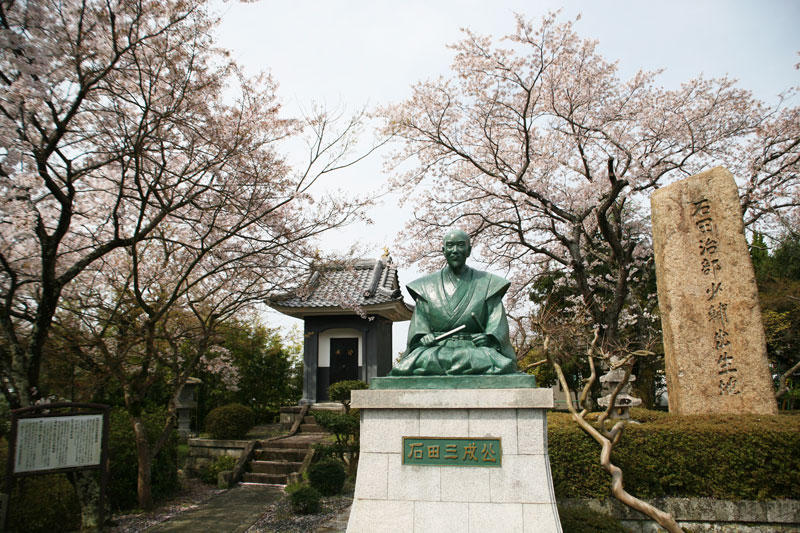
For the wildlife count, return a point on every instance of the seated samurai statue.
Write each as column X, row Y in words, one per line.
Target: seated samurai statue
column 459, row 326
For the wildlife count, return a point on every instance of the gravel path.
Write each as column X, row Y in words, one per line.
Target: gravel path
column 277, row 517
column 192, row 494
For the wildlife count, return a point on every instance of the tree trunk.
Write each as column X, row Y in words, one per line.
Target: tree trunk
column 87, row 486
column 143, row 481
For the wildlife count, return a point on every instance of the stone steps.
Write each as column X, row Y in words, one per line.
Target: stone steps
column 274, row 467
column 311, row 428
column 265, row 479
column 283, row 444
column 273, row 461
column 280, row 454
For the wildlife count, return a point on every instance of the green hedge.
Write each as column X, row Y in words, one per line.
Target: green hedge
column 726, row 457
column 583, row 520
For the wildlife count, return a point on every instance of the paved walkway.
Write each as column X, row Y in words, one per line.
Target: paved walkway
column 232, row 511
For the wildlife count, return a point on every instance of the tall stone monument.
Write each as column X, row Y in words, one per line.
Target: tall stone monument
column 454, row 439
column 716, row 360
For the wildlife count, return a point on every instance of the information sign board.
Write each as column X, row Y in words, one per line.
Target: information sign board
column 50, row 443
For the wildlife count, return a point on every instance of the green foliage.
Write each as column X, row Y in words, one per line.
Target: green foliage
column 331, row 450
column 724, row 457
column 759, row 253
column 124, row 463
column 778, row 277
column 340, row 391
column 583, row 519
column 327, row 476
column 5, row 417
column 346, row 428
column 231, row 421
column 210, row 471
column 269, row 368
column 42, row 503
column 304, row 499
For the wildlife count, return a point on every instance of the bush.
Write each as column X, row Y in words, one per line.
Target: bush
column 124, row 463
column 583, row 519
column 304, row 499
column 5, row 417
column 747, row 457
column 210, row 472
column 231, row 421
column 327, row 477
column 41, row 503
column 340, row 391
column 346, row 429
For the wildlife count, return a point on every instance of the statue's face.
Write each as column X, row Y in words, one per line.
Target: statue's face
column 456, row 249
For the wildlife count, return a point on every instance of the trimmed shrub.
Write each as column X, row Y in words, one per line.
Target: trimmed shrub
column 304, row 499
column 327, row 477
column 124, row 463
column 747, row 457
column 583, row 519
column 231, row 421
column 340, row 391
column 210, row 471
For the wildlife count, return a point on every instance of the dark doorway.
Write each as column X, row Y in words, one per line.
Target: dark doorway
column 344, row 359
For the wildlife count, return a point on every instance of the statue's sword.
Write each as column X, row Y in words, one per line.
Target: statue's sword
column 449, row 333
column 459, row 328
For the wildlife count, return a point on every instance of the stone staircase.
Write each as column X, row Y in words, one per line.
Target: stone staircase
column 274, row 460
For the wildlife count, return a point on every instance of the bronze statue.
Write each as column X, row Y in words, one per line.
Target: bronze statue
column 459, row 326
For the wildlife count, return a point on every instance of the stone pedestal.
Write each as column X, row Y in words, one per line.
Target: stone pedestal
column 515, row 494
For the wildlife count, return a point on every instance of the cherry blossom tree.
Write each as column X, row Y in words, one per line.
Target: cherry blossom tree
column 144, row 199
column 79, row 173
column 547, row 158
column 153, row 310
column 113, row 125
column 537, row 147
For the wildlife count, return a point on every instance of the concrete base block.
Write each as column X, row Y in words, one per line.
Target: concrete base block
column 392, row 496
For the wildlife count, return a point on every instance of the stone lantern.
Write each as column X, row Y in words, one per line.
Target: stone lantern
column 186, row 402
column 624, row 401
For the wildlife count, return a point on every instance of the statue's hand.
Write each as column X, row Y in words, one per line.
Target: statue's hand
column 481, row 339
column 428, row 339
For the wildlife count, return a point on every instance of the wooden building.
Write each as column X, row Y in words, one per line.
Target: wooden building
column 347, row 309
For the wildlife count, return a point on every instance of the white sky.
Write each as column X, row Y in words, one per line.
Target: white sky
column 360, row 53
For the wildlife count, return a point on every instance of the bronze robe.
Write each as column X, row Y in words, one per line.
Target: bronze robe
column 444, row 302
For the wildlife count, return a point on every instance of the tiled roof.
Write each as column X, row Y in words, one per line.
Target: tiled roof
column 345, row 286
